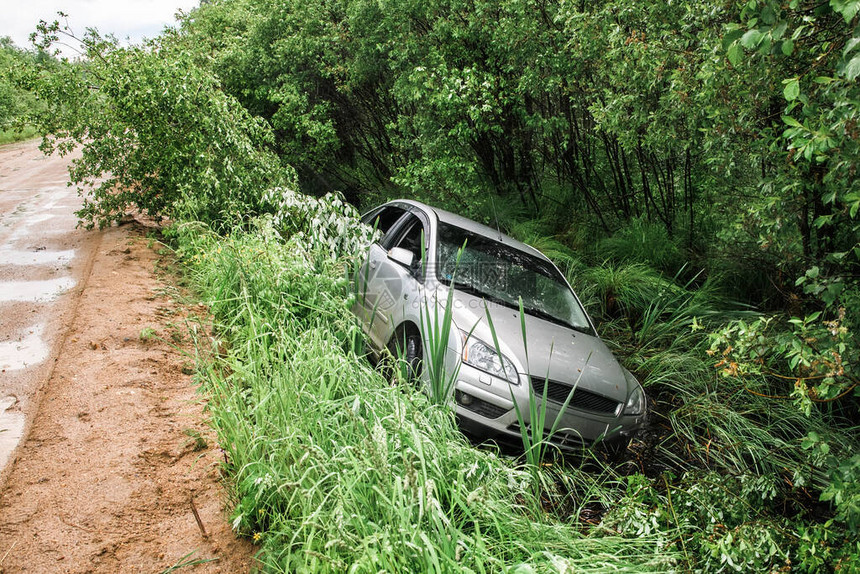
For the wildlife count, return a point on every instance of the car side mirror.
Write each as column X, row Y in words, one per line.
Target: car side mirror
column 402, row 256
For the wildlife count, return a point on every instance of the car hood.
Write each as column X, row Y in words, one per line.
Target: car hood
column 554, row 351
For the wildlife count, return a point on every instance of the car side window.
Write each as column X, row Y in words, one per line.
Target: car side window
column 411, row 239
column 383, row 219
column 409, row 236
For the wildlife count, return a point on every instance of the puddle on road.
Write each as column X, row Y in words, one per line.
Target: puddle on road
column 57, row 195
column 28, row 351
column 34, row 291
column 11, row 429
column 41, row 218
column 24, row 233
column 10, row 256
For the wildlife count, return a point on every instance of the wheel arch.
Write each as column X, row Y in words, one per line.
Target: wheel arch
column 404, row 329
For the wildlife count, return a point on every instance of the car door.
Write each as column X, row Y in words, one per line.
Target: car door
column 394, row 286
column 384, row 219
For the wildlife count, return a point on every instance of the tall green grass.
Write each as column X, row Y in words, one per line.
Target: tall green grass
column 15, row 135
column 709, row 425
column 660, row 327
column 332, row 468
column 721, row 450
column 436, row 324
column 641, row 241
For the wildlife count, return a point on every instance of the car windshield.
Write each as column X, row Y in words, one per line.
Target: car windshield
column 502, row 274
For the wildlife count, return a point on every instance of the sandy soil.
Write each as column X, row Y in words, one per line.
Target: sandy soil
column 117, row 456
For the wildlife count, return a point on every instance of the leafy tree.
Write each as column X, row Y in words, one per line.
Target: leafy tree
column 16, row 98
column 807, row 210
column 157, row 132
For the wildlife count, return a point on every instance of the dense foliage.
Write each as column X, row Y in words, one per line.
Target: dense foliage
column 16, row 97
column 158, row 132
column 690, row 166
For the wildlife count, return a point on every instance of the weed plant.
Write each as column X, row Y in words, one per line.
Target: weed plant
column 723, row 450
column 436, row 326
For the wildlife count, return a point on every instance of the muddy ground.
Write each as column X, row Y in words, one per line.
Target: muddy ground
column 116, row 455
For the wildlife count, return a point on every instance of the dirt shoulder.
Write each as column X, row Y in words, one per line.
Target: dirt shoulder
column 105, row 479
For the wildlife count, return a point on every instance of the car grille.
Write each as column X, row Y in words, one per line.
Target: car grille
column 582, row 399
column 484, row 408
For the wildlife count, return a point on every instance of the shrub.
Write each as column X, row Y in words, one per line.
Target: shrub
column 156, row 132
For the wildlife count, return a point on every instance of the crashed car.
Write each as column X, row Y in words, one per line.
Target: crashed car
column 425, row 258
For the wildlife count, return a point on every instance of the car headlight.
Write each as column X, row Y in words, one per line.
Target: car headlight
column 484, row 357
column 636, row 401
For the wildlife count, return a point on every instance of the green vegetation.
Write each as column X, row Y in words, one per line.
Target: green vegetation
column 16, row 100
column 690, row 166
column 333, row 467
column 14, row 135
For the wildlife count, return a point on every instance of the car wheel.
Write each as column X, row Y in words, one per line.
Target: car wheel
column 406, row 349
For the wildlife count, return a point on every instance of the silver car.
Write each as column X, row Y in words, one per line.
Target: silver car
column 490, row 273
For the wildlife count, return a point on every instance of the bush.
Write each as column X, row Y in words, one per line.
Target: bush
column 157, row 133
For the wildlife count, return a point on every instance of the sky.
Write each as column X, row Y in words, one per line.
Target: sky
column 131, row 19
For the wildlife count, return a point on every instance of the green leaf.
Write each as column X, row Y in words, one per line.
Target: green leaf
column 751, row 39
column 734, row 53
column 822, row 220
column 732, row 35
column 779, row 30
column 848, row 8
column 791, row 90
column 852, row 68
column 791, row 122
column 788, row 47
column 850, row 45
column 831, row 294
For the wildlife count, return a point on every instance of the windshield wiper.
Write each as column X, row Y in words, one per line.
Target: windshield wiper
column 472, row 290
column 557, row 320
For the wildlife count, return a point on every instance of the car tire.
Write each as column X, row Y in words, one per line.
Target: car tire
column 407, row 351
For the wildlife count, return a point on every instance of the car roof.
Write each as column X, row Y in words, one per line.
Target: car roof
column 472, row 226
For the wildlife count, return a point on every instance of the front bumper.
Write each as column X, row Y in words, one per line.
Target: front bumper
column 485, row 409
